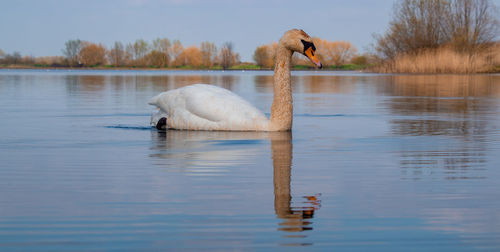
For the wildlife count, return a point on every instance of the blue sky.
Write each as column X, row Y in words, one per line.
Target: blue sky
column 40, row 28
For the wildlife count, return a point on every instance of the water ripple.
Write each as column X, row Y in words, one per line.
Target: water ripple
column 129, row 127
column 107, row 115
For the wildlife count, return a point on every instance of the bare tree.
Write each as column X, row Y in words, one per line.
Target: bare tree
column 417, row 24
column 72, row 50
column 14, row 58
column 160, row 54
column 176, row 53
column 117, row 54
column 227, row 56
column 429, row 24
column 141, row 48
column 161, row 45
column 472, row 24
column 129, row 52
column 208, row 53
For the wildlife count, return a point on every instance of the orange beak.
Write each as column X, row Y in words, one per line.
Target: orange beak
column 310, row 54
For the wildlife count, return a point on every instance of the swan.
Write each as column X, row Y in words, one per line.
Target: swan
column 207, row 107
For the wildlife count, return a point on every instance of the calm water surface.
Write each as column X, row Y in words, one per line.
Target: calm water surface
column 374, row 162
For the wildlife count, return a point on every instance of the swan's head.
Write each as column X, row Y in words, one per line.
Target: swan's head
column 298, row 41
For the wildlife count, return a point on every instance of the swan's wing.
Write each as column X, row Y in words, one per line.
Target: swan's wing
column 218, row 104
column 202, row 106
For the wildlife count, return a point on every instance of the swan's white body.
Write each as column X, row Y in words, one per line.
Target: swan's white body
column 206, row 107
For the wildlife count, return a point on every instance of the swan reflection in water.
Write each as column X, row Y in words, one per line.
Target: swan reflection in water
column 198, row 148
column 295, row 215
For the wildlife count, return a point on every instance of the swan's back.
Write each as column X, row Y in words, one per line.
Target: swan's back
column 207, row 107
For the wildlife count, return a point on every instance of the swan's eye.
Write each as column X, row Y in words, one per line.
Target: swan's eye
column 308, row 45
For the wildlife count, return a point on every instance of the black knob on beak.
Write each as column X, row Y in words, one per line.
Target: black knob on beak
column 161, row 124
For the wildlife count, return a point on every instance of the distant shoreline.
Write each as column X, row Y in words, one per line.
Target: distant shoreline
column 132, row 68
column 166, row 69
column 239, row 68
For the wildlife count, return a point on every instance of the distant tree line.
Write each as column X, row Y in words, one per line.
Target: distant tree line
column 164, row 53
column 15, row 58
column 161, row 52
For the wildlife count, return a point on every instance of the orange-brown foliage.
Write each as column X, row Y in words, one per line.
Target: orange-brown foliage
column 176, row 53
column 443, row 60
column 208, row 54
column 265, row 55
column 191, row 56
column 50, row 60
column 334, row 52
column 92, row 54
column 157, row 58
column 494, row 55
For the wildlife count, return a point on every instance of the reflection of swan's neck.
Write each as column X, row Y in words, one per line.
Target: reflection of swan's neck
column 281, row 146
column 282, row 108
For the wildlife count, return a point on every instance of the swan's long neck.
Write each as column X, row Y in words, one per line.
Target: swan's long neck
column 282, row 107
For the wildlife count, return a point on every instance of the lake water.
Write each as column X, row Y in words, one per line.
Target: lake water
column 374, row 162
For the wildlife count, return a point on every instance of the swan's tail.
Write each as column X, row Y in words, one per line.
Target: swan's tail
column 157, row 113
column 154, row 101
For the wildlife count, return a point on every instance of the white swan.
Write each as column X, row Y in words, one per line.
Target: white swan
column 206, row 107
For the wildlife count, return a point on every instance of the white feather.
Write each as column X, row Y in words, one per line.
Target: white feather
column 206, row 107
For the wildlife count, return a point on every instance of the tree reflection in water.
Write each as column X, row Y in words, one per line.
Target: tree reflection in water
column 453, row 109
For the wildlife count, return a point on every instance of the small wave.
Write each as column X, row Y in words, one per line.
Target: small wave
column 235, row 142
column 312, row 115
column 129, row 127
column 110, row 115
